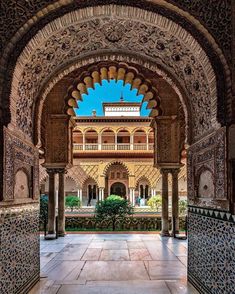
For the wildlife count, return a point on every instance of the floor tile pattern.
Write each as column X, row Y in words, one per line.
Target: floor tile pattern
column 113, row 264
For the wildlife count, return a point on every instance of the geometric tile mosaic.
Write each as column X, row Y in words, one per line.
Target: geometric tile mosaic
column 211, row 256
column 19, row 248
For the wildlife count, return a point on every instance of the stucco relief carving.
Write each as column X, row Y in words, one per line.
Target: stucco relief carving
column 94, row 35
column 21, row 189
column 206, row 187
column 207, row 171
column 19, row 156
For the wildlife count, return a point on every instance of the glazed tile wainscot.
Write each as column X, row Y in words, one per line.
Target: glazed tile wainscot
column 211, row 256
column 19, row 250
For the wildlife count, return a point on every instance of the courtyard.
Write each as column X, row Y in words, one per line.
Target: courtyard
column 113, row 263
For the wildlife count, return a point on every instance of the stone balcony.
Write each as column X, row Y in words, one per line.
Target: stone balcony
column 113, row 147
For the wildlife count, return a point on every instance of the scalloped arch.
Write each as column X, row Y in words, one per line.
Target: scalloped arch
column 113, row 163
column 145, row 178
column 116, row 29
column 87, row 179
column 114, row 71
column 75, row 180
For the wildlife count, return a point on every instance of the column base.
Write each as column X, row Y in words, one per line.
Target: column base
column 61, row 234
column 50, row 236
column 165, row 234
column 176, row 233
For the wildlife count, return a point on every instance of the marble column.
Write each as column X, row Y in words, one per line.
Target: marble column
column 132, row 196
column 131, row 142
column 115, row 138
column 165, row 213
column 102, row 194
column 80, row 195
column 99, row 142
column 61, row 204
column 175, row 201
column 51, row 202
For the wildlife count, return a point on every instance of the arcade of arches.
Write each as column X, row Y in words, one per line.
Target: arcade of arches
column 180, row 56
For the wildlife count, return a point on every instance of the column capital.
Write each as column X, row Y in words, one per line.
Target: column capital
column 165, row 171
column 61, row 170
column 175, row 172
column 56, row 170
column 50, row 171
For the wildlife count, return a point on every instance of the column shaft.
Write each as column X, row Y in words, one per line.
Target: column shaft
column 165, row 213
column 61, row 206
column 51, row 203
column 175, row 202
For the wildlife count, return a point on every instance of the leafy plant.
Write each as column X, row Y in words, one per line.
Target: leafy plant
column 43, row 210
column 113, row 209
column 72, row 202
column 155, row 202
column 182, row 207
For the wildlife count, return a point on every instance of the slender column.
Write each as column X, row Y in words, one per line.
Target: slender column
column 83, row 141
column 132, row 196
column 61, row 205
column 131, row 142
column 51, row 202
column 175, row 201
column 102, row 194
column 165, row 213
column 99, row 141
column 147, row 141
column 80, row 195
column 56, row 198
column 115, row 141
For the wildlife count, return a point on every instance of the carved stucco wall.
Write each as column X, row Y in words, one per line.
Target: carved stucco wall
column 216, row 16
column 152, row 35
column 209, row 154
column 21, row 189
column 19, row 155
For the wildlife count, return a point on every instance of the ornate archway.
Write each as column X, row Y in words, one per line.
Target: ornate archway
column 167, row 42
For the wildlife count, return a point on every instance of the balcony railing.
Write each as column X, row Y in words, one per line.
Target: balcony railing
column 93, row 146
column 110, row 147
column 107, row 146
column 123, row 146
column 140, row 146
column 77, row 146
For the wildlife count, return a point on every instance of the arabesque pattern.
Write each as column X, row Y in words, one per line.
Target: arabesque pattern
column 160, row 39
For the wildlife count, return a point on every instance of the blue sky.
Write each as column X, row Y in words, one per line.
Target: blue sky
column 108, row 92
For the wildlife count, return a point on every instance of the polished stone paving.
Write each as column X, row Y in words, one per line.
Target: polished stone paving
column 113, row 264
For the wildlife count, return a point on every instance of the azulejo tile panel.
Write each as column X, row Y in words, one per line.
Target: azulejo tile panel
column 19, row 250
column 211, row 256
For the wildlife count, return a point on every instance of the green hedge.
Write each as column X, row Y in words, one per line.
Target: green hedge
column 73, row 223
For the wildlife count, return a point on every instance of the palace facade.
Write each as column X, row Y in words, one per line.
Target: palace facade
column 113, row 154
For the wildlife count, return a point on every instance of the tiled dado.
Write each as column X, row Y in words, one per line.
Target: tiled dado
column 19, row 249
column 211, row 256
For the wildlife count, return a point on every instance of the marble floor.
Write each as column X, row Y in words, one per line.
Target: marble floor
column 113, row 264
